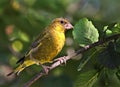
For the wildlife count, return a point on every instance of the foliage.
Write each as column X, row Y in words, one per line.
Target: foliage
column 87, row 79
column 85, row 33
column 106, row 58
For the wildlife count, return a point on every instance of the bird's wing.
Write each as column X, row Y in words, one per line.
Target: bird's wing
column 36, row 42
column 39, row 38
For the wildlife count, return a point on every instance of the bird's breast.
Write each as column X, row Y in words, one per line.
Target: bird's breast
column 58, row 40
column 49, row 47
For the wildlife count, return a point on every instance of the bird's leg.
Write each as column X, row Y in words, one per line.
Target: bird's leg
column 45, row 68
column 61, row 59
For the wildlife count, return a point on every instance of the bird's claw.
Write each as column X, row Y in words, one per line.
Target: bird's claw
column 46, row 69
column 61, row 60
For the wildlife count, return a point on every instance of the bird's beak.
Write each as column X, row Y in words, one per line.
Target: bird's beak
column 68, row 26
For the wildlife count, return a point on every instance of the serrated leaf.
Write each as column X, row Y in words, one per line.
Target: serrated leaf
column 86, row 79
column 85, row 33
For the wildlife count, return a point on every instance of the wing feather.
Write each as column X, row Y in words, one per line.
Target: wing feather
column 36, row 42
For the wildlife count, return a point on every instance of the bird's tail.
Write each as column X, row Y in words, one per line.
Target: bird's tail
column 21, row 67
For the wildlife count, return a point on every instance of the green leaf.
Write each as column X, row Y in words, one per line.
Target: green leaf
column 107, row 78
column 86, row 79
column 85, row 33
column 116, row 28
column 107, row 31
column 113, row 30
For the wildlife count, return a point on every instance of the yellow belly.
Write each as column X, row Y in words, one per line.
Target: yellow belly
column 49, row 47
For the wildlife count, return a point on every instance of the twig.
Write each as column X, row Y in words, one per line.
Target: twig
column 58, row 63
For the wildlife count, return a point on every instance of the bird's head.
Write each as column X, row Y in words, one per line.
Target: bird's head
column 61, row 24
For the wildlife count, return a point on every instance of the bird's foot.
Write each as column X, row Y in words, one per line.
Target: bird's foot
column 61, row 60
column 45, row 69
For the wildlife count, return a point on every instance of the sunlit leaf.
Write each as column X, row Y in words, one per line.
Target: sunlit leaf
column 116, row 28
column 85, row 33
column 108, row 32
column 113, row 30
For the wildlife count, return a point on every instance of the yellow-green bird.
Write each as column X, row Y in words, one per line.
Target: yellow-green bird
column 46, row 46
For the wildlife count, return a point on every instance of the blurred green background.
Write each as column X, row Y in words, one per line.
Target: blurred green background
column 22, row 20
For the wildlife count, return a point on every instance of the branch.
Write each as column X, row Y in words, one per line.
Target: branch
column 81, row 50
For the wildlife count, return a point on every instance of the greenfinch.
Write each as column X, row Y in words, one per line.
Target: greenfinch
column 46, row 46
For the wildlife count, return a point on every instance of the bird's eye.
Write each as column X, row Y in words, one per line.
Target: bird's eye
column 61, row 22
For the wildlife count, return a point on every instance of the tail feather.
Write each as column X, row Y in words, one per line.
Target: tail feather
column 21, row 67
column 9, row 74
column 21, row 60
